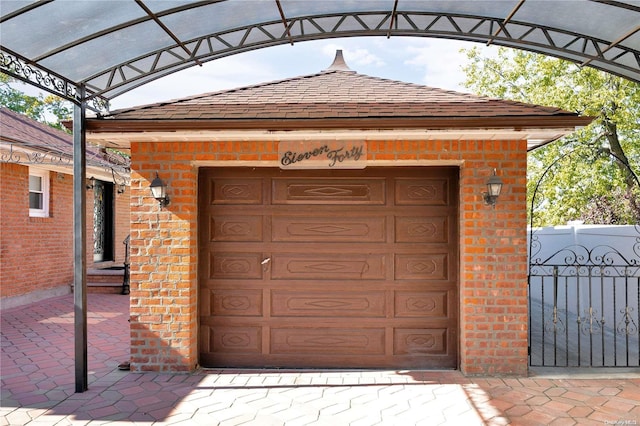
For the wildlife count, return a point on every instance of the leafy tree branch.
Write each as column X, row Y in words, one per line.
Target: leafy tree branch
column 607, row 169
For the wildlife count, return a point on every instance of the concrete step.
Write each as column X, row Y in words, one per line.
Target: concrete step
column 104, row 288
column 106, row 275
column 105, row 280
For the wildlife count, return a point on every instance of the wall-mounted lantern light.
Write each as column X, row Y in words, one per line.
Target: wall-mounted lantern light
column 119, row 181
column 159, row 191
column 494, row 186
column 91, row 183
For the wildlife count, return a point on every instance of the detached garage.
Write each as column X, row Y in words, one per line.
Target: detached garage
column 333, row 220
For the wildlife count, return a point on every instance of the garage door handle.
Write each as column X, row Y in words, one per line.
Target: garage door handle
column 265, row 263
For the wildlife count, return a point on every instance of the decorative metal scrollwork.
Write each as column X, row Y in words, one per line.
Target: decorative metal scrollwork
column 34, row 157
column 19, row 68
column 120, row 181
column 590, row 324
column 582, row 261
column 116, row 163
column 627, row 325
column 555, row 324
column 99, row 105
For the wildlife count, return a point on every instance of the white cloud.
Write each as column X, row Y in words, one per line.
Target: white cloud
column 440, row 61
column 221, row 74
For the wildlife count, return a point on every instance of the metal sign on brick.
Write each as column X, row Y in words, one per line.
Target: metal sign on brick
column 322, row 154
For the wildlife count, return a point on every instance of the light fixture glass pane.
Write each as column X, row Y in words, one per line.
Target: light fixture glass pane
column 158, row 191
column 494, row 189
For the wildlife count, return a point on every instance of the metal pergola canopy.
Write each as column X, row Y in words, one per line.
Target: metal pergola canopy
column 94, row 50
column 111, row 47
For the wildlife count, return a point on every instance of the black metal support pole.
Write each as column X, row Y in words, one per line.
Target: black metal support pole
column 80, row 243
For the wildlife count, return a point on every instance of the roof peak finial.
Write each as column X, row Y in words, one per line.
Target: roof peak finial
column 338, row 63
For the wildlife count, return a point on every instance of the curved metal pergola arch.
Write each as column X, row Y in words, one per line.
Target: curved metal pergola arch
column 118, row 86
column 565, row 156
column 188, row 34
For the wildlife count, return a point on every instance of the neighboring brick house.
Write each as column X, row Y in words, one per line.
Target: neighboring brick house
column 375, row 250
column 36, row 213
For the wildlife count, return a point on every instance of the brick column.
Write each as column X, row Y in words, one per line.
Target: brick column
column 493, row 250
column 163, row 261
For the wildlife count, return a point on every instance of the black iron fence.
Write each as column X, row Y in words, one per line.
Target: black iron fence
column 584, row 307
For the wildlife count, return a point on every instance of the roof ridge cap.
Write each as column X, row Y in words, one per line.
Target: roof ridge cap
column 339, row 64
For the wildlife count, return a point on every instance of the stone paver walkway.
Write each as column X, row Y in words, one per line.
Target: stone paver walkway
column 37, row 379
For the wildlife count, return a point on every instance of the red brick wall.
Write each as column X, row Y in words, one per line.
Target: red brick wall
column 493, row 262
column 36, row 253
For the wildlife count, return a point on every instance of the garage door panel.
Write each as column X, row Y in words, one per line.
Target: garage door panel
column 433, row 304
column 235, row 302
column 423, row 192
column 328, row 268
column 236, row 339
column 236, row 191
column 336, row 341
column 420, row 341
column 420, row 229
column 322, row 266
column 422, row 267
column 327, row 304
column 329, row 191
column 236, row 228
column 235, row 266
column 334, row 228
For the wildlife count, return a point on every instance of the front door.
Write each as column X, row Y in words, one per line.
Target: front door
column 102, row 221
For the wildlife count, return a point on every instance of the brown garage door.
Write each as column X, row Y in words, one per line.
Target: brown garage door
column 335, row 269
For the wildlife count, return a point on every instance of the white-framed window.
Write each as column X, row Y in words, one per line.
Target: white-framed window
column 38, row 193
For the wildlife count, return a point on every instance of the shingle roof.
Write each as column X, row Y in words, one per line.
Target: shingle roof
column 336, row 98
column 332, row 94
column 21, row 130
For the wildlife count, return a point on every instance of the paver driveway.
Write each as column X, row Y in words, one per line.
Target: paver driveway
column 38, row 386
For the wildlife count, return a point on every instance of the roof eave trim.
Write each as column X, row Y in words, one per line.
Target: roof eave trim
column 511, row 122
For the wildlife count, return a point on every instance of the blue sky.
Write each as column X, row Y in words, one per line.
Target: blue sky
column 427, row 61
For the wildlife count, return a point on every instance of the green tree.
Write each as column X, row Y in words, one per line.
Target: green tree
column 51, row 110
column 590, row 179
